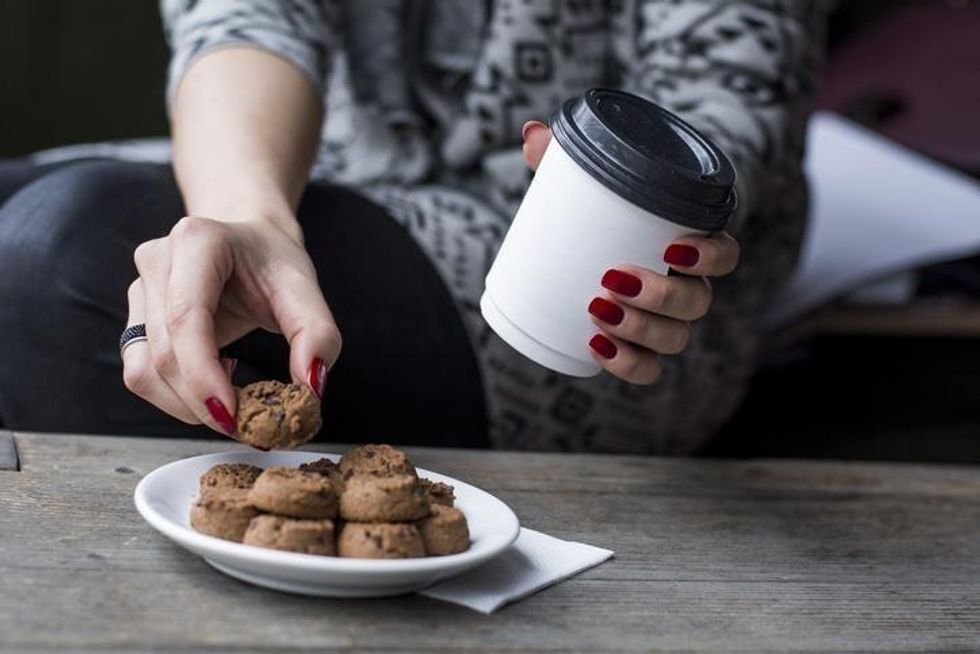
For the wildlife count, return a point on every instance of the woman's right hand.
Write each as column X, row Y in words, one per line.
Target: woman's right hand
column 207, row 284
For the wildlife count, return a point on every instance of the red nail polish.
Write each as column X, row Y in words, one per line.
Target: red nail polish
column 318, row 376
column 220, row 414
column 622, row 282
column 602, row 345
column 682, row 255
column 606, row 311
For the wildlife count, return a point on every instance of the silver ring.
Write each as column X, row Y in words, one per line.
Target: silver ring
column 132, row 334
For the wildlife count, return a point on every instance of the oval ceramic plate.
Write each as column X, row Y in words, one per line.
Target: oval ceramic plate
column 164, row 499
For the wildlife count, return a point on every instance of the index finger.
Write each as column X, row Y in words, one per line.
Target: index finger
column 709, row 256
column 197, row 278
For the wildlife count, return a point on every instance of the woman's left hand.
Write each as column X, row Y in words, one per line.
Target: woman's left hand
column 643, row 314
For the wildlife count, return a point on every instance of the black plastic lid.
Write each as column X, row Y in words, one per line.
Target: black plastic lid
column 648, row 156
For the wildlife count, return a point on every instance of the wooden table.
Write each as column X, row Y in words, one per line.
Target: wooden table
column 710, row 555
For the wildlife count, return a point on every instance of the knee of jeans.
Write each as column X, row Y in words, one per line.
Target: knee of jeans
column 75, row 223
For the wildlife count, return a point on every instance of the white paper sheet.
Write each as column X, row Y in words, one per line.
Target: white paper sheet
column 877, row 208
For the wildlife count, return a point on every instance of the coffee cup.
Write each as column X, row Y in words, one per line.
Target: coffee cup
column 620, row 180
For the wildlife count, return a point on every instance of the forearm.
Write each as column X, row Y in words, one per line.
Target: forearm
column 245, row 131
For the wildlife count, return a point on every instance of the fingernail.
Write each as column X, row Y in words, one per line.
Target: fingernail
column 602, row 345
column 527, row 127
column 682, row 255
column 220, row 415
column 229, row 365
column 318, row 376
column 606, row 311
column 622, row 282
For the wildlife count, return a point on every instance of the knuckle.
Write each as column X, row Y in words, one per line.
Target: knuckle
column 653, row 373
column 681, row 338
column 137, row 377
column 630, row 368
column 145, row 253
column 178, row 315
column 196, row 378
column 163, row 359
column 133, row 291
column 709, row 256
column 661, row 293
column 702, row 304
column 194, row 227
column 646, row 329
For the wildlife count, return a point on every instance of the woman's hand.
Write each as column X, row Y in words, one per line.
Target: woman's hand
column 645, row 314
column 207, row 284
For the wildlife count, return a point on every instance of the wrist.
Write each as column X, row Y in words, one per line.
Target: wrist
column 274, row 211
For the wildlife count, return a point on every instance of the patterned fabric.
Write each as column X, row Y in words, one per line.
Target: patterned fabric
column 425, row 102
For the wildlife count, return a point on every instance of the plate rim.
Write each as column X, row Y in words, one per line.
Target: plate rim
column 197, row 542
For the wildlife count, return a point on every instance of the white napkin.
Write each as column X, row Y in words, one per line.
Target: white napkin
column 533, row 562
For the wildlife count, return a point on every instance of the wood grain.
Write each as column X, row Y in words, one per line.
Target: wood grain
column 710, row 555
column 8, row 451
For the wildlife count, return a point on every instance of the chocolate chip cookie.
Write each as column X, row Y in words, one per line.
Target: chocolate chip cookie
column 294, row 493
column 380, row 541
column 383, row 499
column 272, row 414
column 292, row 535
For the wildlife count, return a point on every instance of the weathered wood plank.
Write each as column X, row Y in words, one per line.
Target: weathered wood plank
column 186, row 609
column 8, row 451
column 760, row 556
column 562, row 472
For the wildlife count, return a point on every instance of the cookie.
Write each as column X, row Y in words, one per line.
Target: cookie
column 383, row 499
column 377, row 460
column 444, row 531
column 223, row 513
column 327, row 468
column 272, row 414
column 379, row 541
column 438, row 492
column 229, row 475
column 288, row 534
column 294, row 493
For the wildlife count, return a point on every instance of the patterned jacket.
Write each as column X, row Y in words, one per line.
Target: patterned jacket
column 423, row 91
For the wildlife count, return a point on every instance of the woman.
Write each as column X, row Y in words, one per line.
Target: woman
column 417, row 122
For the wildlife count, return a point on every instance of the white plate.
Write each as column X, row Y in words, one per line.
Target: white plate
column 164, row 500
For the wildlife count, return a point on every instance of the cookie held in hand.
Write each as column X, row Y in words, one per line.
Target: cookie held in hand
column 272, row 414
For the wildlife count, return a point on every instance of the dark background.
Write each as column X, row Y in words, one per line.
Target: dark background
column 79, row 70
column 89, row 70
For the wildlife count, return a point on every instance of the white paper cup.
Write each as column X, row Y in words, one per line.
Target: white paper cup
column 574, row 224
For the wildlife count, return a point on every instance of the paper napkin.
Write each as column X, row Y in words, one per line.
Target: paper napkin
column 533, row 562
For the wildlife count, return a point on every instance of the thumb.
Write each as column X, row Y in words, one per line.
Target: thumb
column 314, row 340
column 536, row 137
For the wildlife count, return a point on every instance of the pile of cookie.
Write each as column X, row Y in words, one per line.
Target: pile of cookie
column 372, row 504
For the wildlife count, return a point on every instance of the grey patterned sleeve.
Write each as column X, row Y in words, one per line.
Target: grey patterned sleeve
column 742, row 72
column 300, row 31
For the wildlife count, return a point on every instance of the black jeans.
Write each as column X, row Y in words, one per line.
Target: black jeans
column 67, row 234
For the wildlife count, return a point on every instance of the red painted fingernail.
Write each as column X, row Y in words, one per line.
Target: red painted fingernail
column 682, row 255
column 602, row 345
column 220, row 414
column 318, row 377
column 622, row 282
column 606, row 311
